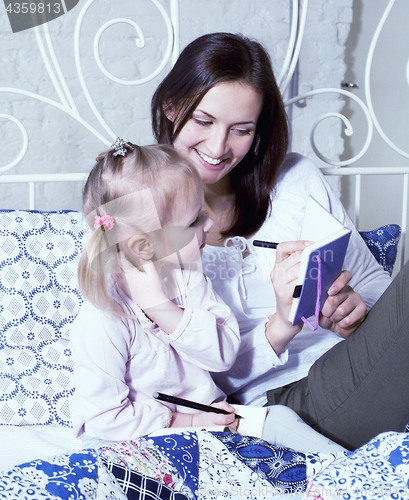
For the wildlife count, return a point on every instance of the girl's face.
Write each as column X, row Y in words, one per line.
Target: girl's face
column 221, row 129
column 186, row 234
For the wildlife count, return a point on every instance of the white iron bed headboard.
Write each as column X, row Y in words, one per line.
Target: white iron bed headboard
column 357, row 173
column 298, row 20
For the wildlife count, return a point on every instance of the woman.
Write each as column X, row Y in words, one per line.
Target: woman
column 221, row 107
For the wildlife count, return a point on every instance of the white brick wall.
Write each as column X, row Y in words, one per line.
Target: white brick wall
column 58, row 143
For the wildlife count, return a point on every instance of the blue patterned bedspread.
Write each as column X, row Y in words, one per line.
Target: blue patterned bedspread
column 204, row 465
column 377, row 470
column 192, row 465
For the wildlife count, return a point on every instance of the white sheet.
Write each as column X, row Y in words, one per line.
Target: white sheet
column 20, row 444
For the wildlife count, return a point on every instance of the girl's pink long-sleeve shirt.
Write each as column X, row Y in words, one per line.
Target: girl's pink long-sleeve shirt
column 120, row 362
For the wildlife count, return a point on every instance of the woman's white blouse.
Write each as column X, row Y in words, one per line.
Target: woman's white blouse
column 245, row 285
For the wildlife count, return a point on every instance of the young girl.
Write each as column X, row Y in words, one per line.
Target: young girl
column 150, row 321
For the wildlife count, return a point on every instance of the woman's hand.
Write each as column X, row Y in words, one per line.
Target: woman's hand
column 279, row 330
column 344, row 310
column 285, row 273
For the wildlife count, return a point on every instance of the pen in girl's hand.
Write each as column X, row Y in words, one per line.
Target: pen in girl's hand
column 265, row 244
column 190, row 404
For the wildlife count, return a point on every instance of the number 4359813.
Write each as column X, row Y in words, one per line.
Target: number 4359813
column 33, row 8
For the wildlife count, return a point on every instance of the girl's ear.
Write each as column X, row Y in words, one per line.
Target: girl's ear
column 141, row 247
column 138, row 247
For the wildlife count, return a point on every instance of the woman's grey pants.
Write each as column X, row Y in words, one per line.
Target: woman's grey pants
column 360, row 387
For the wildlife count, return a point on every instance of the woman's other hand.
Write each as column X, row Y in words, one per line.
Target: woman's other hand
column 344, row 310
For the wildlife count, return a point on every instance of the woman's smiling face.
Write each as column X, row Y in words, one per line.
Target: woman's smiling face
column 221, row 129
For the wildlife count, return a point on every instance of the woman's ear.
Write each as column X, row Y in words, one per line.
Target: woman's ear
column 141, row 247
column 169, row 110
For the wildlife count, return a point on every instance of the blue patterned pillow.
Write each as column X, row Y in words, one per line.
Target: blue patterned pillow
column 383, row 243
column 39, row 299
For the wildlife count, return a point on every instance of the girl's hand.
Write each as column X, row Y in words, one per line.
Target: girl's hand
column 145, row 289
column 344, row 310
column 145, row 286
column 279, row 330
column 208, row 419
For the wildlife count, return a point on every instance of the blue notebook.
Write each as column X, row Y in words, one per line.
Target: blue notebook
column 331, row 239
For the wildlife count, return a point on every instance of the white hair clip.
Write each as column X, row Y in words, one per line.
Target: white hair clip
column 119, row 146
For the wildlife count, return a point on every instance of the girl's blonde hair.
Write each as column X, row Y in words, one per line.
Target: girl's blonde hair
column 141, row 191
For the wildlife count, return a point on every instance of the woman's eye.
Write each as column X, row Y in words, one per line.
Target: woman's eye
column 242, row 131
column 203, row 123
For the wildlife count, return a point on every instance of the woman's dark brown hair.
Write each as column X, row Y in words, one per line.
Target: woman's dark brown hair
column 225, row 57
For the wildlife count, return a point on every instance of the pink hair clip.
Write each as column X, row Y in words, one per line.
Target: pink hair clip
column 105, row 220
